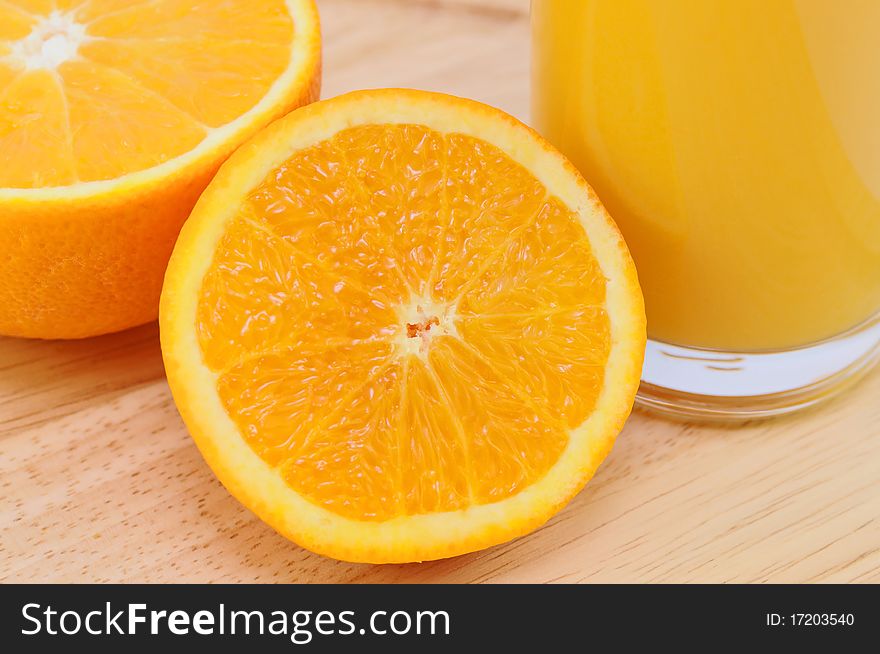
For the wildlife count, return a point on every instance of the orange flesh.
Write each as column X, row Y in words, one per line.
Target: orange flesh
column 405, row 322
column 144, row 82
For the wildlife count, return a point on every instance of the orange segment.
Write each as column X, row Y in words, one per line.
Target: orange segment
column 34, row 128
column 219, row 81
column 118, row 126
column 400, row 327
column 234, row 324
column 295, row 301
column 400, row 193
column 96, row 9
column 309, row 202
column 511, row 442
column 432, row 474
column 114, row 116
column 547, row 265
column 347, row 463
column 40, row 7
column 550, row 355
column 15, row 23
column 280, row 399
column 266, row 21
column 490, row 198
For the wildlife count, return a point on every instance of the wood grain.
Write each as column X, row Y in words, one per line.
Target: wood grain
column 100, row 482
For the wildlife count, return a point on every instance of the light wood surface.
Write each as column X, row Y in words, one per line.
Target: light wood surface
column 100, row 482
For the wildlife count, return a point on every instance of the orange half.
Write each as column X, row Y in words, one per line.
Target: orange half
column 400, row 326
column 114, row 116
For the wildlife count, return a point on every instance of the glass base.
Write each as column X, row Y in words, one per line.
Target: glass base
column 710, row 385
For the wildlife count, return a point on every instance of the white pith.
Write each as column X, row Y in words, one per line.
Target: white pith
column 423, row 311
column 54, row 39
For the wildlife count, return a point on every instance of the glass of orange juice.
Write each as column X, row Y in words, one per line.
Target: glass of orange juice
column 737, row 145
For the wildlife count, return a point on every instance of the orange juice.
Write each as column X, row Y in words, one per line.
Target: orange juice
column 737, row 145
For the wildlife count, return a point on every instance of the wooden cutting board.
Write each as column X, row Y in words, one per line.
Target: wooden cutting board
column 100, row 482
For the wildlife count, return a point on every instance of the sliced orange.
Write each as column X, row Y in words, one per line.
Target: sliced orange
column 400, row 326
column 114, row 116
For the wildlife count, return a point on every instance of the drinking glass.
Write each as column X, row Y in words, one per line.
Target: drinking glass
column 737, row 145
